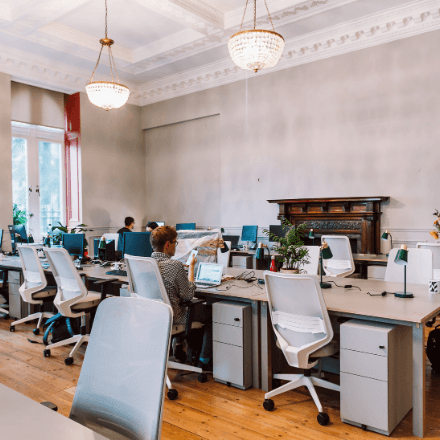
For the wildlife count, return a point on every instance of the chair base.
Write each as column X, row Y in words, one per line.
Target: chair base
column 78, row 340
column 298, row 380
column 39, row 315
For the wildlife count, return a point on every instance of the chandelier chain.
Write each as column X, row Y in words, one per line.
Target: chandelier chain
column 114, row 65
column 105, row 18
column 255, row 14
column 268, row 13
column 242, row 20
column 99, row 57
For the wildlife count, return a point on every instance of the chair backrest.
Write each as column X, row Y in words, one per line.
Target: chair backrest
column 341, row 264
column 435, row 249
column 223, row 258
column 70, row 285
column 145, row 279
column 33, row 274
column 312, row 267
column 115, row 237
column 418, row 269
column 185, row 226
column 299, row 316
column 121, row 387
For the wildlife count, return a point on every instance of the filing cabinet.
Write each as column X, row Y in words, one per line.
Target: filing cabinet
column 17, row 308
column 232, row 343
column 376, row 374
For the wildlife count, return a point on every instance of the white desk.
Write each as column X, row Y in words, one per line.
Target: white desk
column 22, row 418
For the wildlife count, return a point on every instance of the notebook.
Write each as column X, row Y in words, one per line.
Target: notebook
column 209, row 275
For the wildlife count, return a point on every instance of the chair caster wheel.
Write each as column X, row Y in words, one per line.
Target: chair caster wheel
column 36, row 331
column 46, row 353
column 268, row 405
column 276, row 383
column 5, row 316
column 172, row 394
column 68, row 361
column 323, row 419
column 202, row 378
column 12, row 328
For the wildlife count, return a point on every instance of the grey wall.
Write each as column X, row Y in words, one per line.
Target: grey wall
column 5, row 159
column 37, row 106
column 113, row 166
column 360, row 124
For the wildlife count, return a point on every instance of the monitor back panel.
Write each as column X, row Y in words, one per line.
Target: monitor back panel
column 137, row 244
column 185, row 227
column 249, row 233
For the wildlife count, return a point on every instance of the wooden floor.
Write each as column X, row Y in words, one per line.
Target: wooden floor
column 202, row 411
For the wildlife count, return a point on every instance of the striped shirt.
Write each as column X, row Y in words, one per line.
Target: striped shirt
column 176, row 284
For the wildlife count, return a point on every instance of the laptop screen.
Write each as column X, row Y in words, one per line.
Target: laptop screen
column 209, row 273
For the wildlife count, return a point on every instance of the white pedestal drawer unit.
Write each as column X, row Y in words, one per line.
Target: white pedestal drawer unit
column 232, row 343
column 376, row 374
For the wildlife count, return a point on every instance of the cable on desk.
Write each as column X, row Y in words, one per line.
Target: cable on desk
column 384, row 293
column 346, row 286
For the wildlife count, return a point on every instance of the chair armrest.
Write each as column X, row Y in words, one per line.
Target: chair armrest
column 50, row 405
column 119, row 282
column 191, row 303
column 190, row 313
column 103, row 283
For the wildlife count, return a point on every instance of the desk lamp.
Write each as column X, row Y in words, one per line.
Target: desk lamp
column 402, row 260
column 326, row 254
column 385, row 236
column 312, row 236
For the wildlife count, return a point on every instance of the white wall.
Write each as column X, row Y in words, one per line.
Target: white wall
column 360, row 124
column 33, row 105
column 113, row 166
column 5, row 159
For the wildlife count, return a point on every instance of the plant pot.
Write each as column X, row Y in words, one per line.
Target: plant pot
column 290, row 271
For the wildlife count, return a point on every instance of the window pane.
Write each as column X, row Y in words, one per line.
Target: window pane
column 50, row 163
column 19, row 179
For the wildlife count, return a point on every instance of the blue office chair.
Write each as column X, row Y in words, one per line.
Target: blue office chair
column 185, row 227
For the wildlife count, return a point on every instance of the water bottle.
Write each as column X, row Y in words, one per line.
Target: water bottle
column 273, row 265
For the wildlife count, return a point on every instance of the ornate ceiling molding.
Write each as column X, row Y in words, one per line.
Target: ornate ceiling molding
column 377, row 29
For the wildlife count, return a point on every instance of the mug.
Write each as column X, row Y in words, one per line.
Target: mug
column 245, row 247
column 434, row 286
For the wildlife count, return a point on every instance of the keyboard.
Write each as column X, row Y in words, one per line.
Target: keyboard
column 119, row 273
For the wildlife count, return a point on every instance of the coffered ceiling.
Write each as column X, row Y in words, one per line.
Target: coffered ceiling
column 167, row 48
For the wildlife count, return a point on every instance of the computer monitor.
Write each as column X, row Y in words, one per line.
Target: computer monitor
column 15, row 230
column 185, row 227
column 249, row 233
column 137, row 244
column 1, row 238
column 74, row 244
column 108, row 254
column 276, row 230
column 160, row 223
column 234, row 239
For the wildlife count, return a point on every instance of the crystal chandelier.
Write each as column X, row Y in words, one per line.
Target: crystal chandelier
column 108, row 95
column 256, row 49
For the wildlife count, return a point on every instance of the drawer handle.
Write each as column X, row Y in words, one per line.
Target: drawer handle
column 236, row 319
column 381, row 346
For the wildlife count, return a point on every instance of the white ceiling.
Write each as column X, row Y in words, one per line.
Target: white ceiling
column 167, row 48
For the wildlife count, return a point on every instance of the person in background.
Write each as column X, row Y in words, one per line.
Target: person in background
column 151, row 226
column 129, row 225
column 180, row 286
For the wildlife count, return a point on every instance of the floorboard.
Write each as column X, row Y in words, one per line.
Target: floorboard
column 202, row 411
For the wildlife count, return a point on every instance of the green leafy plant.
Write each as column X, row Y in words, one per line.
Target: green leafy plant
column 290, row 248
column 63, row 229
column 19, row 216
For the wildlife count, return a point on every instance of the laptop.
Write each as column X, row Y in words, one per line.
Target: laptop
column 209, row 275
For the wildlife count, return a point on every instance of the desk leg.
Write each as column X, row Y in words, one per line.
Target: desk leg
column 418, row 381
column 266, row 348
column 256, row 344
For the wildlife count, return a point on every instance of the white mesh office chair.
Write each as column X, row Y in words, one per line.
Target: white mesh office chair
column 72, row 300
column 223, row 258
column 120, row 391
column 418, row 269
column 341, row 264
column 34, row 290
column 146, row 281
column 115, row 237
column 303, row 330
column 312, row 267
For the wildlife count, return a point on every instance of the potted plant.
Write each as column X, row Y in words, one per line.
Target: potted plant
column 435, row 234
column 63, row 229
column 291, row 250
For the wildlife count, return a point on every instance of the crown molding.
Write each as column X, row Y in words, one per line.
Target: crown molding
column 394, row 24
column 203, row 10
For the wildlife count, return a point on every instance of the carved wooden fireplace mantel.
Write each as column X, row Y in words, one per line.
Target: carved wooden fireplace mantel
column 356, row 217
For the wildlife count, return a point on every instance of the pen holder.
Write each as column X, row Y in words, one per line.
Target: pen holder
column 434, row 286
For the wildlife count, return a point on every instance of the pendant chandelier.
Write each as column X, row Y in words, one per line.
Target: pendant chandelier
column 256, row 49
column 105, row 94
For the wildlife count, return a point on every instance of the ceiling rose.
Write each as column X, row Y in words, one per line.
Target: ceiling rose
column 105, row 94
column 256, row 49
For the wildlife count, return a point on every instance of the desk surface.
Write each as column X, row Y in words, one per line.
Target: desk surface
column 22, row 418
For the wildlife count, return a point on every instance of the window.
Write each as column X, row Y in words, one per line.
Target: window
column 38, row 176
